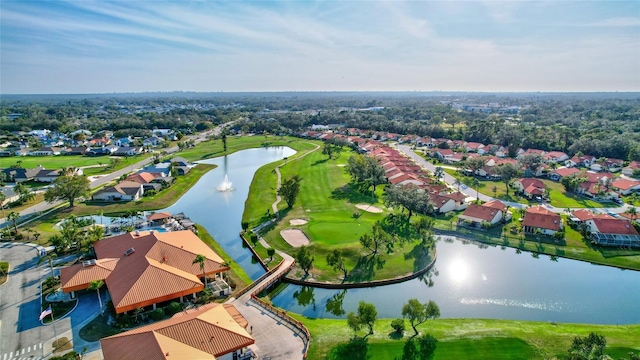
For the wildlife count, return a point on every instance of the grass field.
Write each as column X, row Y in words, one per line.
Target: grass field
column 61, row 161
column 473, row 338
column 334, row 222
column 559, row 198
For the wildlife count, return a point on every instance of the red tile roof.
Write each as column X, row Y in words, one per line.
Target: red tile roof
column 584, row 215
column 479, row 212
column 160, row 267
column 624, row 184
column 496, row 204
column 615, row 226
column 543, row 218
column 209, row 331
column 141, row 178
column 159, row 216
column 562, row 172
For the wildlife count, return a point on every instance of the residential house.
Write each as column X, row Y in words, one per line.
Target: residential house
column 473, row 147
column 580, row 161
column 77, row 150
column 141, row 177
column 180, row 161
column 124, row 191
column 543, row 220
column 221, row 335
column 19, row 175
column 629, row 169
column 124, row 142
column 561, row 172
column 581, row 216
column 555, row 157
column 489, row 213
column 152, row 141
column 99, row 151
column 99, row 142
column 625, row 186
column 159, row 168
column 613, row 232
column 444, row 153
column 47, row 176
column 611, row 165
column 128, row 151
column 45, row 151
column 145, row 268
column 445, row 202
column 529, row 187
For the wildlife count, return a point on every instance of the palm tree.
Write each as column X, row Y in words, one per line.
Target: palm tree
column 96, row 285
column 476, row 184
column 49, row 257
column 200, row 259
column 633, row 212
column 457, row 183
column 14, row 216
column 3, row 197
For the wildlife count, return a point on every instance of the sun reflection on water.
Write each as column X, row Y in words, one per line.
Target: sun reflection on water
column 459, row 270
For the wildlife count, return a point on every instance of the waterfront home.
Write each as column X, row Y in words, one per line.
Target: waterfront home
column 490, row 213
column 145, row 268
column 212, row 331
column 124, row 191
column 613, row 232
column 541, row 219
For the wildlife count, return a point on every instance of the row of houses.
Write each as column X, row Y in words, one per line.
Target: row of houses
column 37, row 174
column 102, row 150
column 454, row 150
column 151, row 178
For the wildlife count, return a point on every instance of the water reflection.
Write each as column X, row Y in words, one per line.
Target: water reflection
column 485, row 282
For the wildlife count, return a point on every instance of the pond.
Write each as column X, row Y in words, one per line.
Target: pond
column 480, row 281
column 473, row 280
column 221, row 212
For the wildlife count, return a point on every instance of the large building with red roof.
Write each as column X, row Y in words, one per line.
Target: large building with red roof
column 212, row 331
column 145, row 268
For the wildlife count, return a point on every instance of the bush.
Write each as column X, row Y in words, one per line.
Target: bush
column 157, row 314
column 173, row 308
column 398, row 325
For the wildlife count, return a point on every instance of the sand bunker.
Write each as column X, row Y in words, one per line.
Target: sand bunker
column 369, row 208
column 294, row 237
column 342, row 165
column 298, row 221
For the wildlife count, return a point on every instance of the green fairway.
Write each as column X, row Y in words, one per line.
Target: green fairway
column 334, row 222
column 473, row 338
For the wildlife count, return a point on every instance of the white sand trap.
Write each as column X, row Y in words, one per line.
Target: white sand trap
column 294, row 237
column 369, row 208
column 342, row 165
column 298, row 221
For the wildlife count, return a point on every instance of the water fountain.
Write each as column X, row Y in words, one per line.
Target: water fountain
column 226, row 185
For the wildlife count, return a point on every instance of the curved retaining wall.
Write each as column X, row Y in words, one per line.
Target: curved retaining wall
column 365, row 284
column 255, row 254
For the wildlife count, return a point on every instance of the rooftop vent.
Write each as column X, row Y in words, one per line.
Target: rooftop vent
column 129, row 252
column 88, row 263
column 151, row 232
column 137, row 233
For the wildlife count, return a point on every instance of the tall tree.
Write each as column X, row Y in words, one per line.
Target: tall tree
column 366, row 316
column 410, row 197
column 290, row 189
column 376, row 240
column 68, row 187
column 418, row 313
column 336, row 260
column 366, row 170
column 96, row 285
column 439, row 173
column 590, row 347
column 427, row 345
column 474, row 164
column 305, row 259
column 633, row 212
column 200, row 260
column 531, row 162
column 507, row 172
column 327, row 149
column 13, row 217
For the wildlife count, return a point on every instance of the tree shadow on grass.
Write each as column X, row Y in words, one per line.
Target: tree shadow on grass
column 394, row 335
column 365, row 269
column 320, row 161
column 354, row 194
column 354, row 349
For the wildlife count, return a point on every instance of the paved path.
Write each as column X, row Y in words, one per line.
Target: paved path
column 275, row 338
column 472, row 193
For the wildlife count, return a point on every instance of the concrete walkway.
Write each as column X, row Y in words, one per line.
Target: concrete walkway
column 275, row 337
column 469, row 192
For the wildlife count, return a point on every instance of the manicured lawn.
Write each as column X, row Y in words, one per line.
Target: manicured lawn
column 474, row 338
column 334, row 222
column 61, row 161
column 98, row 328
column 39, row 198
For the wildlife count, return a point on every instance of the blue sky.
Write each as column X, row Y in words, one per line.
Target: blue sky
column 131, row 46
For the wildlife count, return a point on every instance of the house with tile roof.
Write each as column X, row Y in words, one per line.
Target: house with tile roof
column 141, row 177
column 490, row 213
column 539, row 218
column 629, row 169
column 212, row 331
column 625, row 186
column 145, row 268
column 555, row 157
column 561, row 172
column 613, row 232
column 124, row 191
column 530, row 187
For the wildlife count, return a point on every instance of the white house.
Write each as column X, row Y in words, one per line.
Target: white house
column 491, row 213
column 124, row 191
column 625, row 186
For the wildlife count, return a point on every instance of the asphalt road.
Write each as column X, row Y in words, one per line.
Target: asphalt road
column 21, row 333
